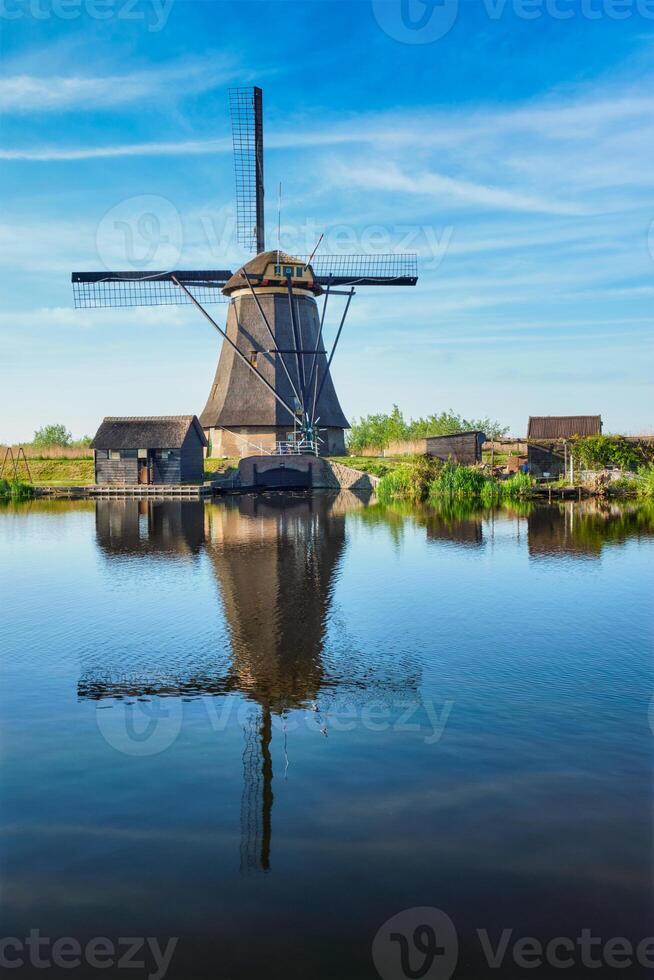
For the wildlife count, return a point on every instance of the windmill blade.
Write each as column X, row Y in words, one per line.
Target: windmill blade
column 246, row 109
column 95, row 290
column 366, row 270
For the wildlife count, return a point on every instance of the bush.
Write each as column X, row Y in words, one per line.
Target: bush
column 410, row 481
column 645, row 482
column 598, row 452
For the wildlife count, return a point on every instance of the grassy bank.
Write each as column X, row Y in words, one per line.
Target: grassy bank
column 78, row 472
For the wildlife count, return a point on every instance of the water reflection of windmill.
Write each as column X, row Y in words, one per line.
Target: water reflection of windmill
column 275, row 559
column 273, row 374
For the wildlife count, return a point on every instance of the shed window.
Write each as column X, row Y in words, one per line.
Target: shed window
column 142, row 454
column 114, row 454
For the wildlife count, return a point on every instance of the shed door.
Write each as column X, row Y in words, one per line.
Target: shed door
column 144, row 476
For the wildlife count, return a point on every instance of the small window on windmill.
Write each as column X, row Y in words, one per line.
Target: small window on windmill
column 288, row 270
column 253, row 358
column 299, row 270
column 278, row 270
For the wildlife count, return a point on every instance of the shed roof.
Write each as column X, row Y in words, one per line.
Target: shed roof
column 563, row 426
column 146, row 432
column 455, row 435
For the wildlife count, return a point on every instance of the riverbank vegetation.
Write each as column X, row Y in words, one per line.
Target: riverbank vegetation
column 15, row 490
column 598, row 452
column 427, row 479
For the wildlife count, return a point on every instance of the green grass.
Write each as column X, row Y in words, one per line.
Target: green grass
column 376, row 465
column 62, row 472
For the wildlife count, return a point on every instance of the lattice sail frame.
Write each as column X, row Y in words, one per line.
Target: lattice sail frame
column 246, row 111
column 96, row 290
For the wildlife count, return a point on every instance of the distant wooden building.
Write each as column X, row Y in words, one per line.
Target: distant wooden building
column 149, row 450
column 547, row 437
column 460, row 447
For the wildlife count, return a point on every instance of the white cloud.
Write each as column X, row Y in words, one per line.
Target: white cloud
column 22, row 93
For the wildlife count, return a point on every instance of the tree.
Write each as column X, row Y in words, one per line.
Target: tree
column 52, row 435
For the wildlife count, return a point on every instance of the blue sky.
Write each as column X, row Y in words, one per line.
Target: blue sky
column 509, row 143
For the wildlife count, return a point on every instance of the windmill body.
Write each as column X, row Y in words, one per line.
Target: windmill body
column 241, row 414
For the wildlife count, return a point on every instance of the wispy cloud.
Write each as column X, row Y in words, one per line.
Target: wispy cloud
column 23, row 93
column 53, row 154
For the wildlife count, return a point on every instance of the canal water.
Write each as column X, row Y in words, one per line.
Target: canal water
column 311, row 737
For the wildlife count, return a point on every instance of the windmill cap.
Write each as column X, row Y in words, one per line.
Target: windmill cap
column 257, row 266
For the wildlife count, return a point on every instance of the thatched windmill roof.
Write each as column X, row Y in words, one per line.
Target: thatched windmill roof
column 258, row 265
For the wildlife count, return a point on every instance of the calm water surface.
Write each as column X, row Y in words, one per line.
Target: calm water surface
column 266, row 726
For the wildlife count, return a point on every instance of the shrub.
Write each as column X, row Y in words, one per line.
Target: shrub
column 645, row 482
column 598, row 452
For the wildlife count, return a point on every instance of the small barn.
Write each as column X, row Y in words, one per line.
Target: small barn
column 165, row 449
column 461, row 447
column 547, row 436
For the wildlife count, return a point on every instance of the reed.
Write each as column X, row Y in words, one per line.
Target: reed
column 15, row 490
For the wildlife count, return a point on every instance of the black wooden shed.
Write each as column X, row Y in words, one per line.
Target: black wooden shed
column 159, row 449
column 460, row 447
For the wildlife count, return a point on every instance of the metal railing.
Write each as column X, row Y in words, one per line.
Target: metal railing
column 299, row 447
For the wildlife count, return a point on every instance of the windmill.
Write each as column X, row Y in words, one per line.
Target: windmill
column 272, row 389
